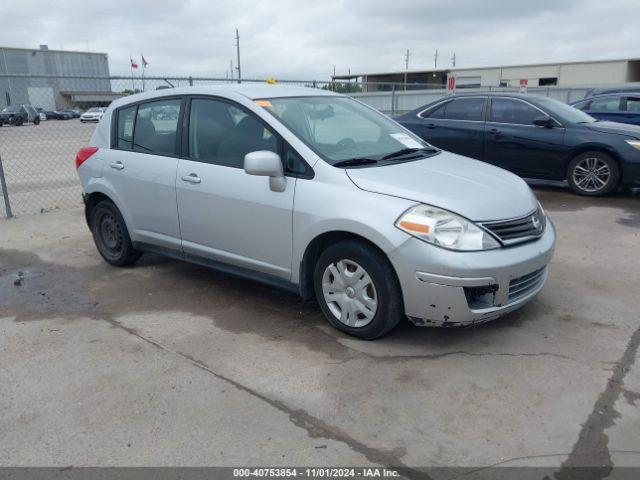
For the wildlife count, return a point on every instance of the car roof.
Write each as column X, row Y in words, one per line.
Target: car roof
column 522, row 96
column 252, row 91
column 492, row 94
column 628, row 93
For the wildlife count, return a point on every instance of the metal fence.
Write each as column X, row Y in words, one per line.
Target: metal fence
column 37, row 172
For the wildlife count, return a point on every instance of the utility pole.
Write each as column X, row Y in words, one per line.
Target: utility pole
column 406, row 67
column 231, row 74
column 435, row 59
column 238, row 52
column 333, row 80
column 453, row 60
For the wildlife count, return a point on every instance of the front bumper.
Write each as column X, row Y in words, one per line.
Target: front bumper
column 446, row 288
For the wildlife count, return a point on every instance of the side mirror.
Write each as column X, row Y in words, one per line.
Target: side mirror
column 264, row 163
column 543, row 121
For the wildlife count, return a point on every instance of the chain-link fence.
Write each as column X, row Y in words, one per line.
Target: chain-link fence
column 46, row 119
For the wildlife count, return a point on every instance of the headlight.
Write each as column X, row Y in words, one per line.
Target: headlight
column 445, row 229
column 634, row 143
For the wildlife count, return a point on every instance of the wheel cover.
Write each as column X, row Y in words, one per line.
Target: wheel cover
column 349, row 293
column 591, row 174
column 110, row 233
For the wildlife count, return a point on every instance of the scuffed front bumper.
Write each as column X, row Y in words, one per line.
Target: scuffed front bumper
column 446, row 288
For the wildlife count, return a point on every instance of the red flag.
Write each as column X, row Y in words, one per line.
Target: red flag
column 133, row 64
column 144, row 62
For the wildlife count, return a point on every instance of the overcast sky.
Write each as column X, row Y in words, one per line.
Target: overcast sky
column 304, row 39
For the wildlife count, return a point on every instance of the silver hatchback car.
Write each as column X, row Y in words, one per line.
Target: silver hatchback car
column 318, row 193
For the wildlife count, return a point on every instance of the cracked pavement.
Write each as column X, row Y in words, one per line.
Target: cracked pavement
column 172, row 364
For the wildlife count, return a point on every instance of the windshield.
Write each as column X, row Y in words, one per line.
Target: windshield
column 94, row 110
column 10, row 110
column 339, row 128
column 564, row 112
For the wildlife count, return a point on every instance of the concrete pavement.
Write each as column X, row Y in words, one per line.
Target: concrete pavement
column 168, row 363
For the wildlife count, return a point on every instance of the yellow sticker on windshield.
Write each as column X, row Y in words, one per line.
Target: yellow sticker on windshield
column 264, row 103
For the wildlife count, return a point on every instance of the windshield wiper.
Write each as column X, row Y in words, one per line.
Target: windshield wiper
column 353, row 162
column 406, row 151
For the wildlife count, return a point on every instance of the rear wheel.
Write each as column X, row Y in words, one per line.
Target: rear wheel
column 111, row 236
column 593, row 173
column 358, row 290
column 36, row 121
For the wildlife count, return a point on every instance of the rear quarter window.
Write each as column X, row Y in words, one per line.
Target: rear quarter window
column 124, row 127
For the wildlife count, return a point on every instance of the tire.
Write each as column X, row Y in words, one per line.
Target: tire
column 111, row 236
column 36, row 121
column 19, row 122
column 593, row 173
column 348, row 264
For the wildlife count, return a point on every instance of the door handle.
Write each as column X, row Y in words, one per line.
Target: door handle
column 117, row 165
column 430, row 125
column 191, row 178
column 494, row 131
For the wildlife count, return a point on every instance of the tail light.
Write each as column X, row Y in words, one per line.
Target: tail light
column 83, row 155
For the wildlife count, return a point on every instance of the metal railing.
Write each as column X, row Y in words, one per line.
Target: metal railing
column 37, row 172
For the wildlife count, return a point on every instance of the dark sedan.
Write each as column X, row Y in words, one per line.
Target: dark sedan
column 534, row 137
column 19, row 115
column 615, row 107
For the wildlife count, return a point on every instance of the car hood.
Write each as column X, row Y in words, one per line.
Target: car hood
column 470, row 188
column 614, row 127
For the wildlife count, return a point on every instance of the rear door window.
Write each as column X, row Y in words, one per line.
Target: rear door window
column 437, row 112
column 156, row 127
column 582, row 106
column 465, row 109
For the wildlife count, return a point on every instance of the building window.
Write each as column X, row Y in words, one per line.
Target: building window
column 545, row 82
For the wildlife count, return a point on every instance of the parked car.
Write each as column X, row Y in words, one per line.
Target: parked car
column 67, row 114
column 534, row 137
column 52, row 115
column 42, row 113
column 616, row 107
column 18, row 115
column 317, row 193
column 92, row 115
column 627, row 88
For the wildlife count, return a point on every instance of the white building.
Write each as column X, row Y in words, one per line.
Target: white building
column 566, row 74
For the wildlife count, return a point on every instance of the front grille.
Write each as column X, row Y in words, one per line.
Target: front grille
column 518, row 230
column 521, row 286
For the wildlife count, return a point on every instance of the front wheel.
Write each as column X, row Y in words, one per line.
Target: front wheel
column 111, row 236
column 593, row 173
column 36, row 121
column 358, row 290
